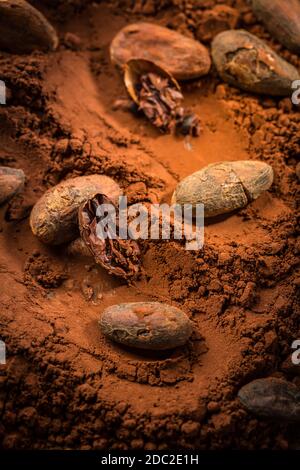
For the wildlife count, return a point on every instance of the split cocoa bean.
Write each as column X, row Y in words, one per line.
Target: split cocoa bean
column 24, row 28
column 11, row 182
column 182, row 57
column 272, row 398
column 159, row 96
column 224, row 187
column 146, row 325
column 118, row 256
column 282, row 20
column 247, row 62
column 54, row 218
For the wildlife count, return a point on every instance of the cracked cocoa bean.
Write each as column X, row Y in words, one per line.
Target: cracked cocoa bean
column 224, row 187
column 247, row 62
column 100, row 233
column 54, row 218
column 146, row 325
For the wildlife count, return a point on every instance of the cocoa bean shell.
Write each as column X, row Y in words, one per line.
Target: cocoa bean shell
column 272, row 398
column 133, row 71
column 247, row 62
column 182, row 57
column 282, row 19
column 24, row 28
column 11, row 182
column 54, row 218
column 118, row 256
column 146, row 325
column 225, row 186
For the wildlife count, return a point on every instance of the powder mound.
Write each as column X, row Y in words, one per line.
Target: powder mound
column 65, row 386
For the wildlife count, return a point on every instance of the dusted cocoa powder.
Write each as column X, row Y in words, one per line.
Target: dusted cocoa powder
column 64, row 385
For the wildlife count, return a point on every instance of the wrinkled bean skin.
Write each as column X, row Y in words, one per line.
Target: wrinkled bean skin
column 54, row 218
column 247, row 62
column 146, row 325
column 182, row 57
column 118, row 256
column 224, row 187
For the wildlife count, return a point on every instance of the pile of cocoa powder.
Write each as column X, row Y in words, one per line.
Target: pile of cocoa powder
column 64, row 385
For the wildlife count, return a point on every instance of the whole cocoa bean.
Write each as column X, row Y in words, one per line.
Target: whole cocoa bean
column 54, row 218
column 225, row 186
column 146, row 325
column 182, row 57
column 247, row 62
column 11, row 182
column 24, row 29
column 272, row 398
column 282, row 20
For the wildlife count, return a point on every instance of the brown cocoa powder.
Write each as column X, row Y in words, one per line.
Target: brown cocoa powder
column 61, row 385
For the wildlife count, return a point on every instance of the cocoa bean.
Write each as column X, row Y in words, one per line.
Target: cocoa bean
column 24, row 29
column 182, row 57
column 225, row 186
column 11, row 182
column 247, row 62
column 272, row 398
column 54, row 218
column 146, row 325
column 282, row 20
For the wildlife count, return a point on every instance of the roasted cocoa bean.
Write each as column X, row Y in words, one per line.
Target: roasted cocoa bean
column 146, row 325
column 182, row 57
column 247, row 62
column 224, row 187
column 24, row 28
column 54, row 218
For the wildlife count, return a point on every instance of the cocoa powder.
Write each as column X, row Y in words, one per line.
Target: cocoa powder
column 64, row 385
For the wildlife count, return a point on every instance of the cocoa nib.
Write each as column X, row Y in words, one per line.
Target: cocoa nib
column 119, row 257
column 161, row 103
